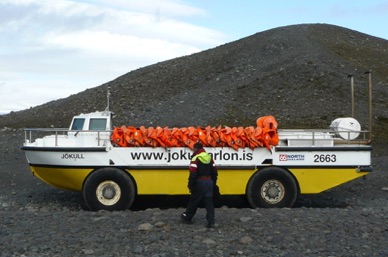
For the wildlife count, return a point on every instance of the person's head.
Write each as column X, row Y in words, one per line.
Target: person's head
column 197, row 146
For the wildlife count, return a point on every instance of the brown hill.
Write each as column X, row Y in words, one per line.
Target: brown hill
column 297, row 73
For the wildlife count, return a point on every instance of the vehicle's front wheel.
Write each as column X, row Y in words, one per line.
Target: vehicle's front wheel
column 108, row 189
column 272, row 187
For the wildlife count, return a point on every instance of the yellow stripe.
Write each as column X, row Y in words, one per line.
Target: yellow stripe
column 312, row 181
column 174, row 182
column 64, row 178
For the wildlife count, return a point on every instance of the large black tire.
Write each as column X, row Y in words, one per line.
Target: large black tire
column 108, row 189
column 272, row 187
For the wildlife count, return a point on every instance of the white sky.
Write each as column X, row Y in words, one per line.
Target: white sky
column 50, row 49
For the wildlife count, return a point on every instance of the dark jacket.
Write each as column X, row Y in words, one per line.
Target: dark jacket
column 202, row 166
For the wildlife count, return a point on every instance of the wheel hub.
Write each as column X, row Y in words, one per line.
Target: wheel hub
column 108, row 192
column 272, row 191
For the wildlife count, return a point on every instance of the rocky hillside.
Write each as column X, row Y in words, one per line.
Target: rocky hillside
column 297, row 73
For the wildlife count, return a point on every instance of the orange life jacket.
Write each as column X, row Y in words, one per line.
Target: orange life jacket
column 264, row 134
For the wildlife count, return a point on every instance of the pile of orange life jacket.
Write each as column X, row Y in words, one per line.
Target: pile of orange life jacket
column 263, row 135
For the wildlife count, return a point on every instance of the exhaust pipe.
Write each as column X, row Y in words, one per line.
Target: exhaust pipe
column 369, row 101
column 370, row 104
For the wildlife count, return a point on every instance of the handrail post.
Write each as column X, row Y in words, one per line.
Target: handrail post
column 313, row 137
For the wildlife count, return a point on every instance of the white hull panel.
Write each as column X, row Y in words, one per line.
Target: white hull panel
column 180, row 156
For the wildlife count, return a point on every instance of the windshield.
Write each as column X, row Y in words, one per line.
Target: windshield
column 97, row 124
column 78, row 124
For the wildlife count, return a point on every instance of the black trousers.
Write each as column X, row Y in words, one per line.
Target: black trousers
column 203, row 191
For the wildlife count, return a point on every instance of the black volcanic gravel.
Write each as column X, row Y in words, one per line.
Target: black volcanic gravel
column 39, row 220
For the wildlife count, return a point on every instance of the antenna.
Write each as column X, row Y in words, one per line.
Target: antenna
column 107, row 99
column 352, row 92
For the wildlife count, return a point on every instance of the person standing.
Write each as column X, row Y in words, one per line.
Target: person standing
column 202, row 181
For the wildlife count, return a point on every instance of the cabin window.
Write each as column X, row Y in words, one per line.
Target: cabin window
column 97, row 124
column 78, row 124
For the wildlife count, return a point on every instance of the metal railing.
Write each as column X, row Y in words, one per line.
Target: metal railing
column 320, row 135
column 56, row 132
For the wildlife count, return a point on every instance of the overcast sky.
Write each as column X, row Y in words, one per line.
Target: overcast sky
column 51, row 49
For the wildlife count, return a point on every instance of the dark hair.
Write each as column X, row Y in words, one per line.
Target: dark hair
column 198, row 146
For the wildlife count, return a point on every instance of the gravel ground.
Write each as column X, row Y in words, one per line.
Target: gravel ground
column 39, row 220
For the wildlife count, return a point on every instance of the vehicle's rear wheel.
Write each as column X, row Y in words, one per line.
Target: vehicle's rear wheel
column 272, row 187
column 108, row 189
